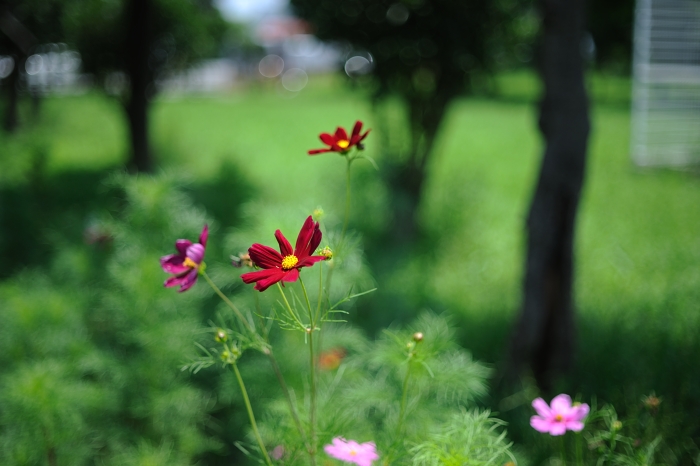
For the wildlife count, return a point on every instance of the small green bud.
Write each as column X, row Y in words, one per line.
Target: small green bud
column 617, row 425
column 220, row 336
column 317, row 214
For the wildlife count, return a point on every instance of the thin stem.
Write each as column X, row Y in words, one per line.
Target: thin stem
column 288, row 395
column 562, row 446
column 251, row 416
column 312, row 367
column 404, row 397
column 229, row 303
column 280, row 377
column 320, row 291
column 289, row 307
column 347, row 200
column 579, row 452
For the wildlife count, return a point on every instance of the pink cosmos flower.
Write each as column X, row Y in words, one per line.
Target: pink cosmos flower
column 186, row 264
column 361, row 454
column 560, row 417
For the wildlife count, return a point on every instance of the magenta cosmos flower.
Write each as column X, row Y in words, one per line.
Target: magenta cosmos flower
column 186, row 263
column 340, row 142
column 284, row 266
column 362, row 454
column 559, row 417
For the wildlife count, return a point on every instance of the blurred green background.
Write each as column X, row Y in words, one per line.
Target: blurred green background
column 91, row 345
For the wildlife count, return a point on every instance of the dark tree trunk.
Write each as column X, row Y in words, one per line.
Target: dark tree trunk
column 11, row 120
column 139, row 38
column 406, row 179
column 545, row 334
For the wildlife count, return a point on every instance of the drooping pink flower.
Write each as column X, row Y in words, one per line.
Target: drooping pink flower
column 559, row 417
column 361, row 454
column 186, row 263
column 284, row 266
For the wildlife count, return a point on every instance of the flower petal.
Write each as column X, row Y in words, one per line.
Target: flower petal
column 175, row 281
column 364, row 135
column 309, row 261
column 173, row 264
column 301, row 249
column 291, row 275
column 204, row 235
column 263, row 278
column 579, row 412
column 341, row 134
column 250, row 277
column 319, row 151
column 541, row 407
column 196, row 253
column 181, row 245
column 285, row 246
column 540, row 424
column 264, row 256
column 557, row 428
column 576, row 426
column 561, row 404
column 315, row 239
column 189, row 280
column 327, row 138
column 356, row 129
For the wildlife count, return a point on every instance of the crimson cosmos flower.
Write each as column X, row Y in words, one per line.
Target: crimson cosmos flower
column 340, row 142
column 284, row 267
column 186, row 264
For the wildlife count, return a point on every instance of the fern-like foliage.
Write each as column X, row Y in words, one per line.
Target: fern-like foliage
column 468, row 438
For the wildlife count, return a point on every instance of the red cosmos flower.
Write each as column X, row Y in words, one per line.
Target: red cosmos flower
column 284, row 267
column 340, row 142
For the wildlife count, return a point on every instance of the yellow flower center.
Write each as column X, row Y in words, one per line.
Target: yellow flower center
column 353, row 453
column 558, row 418
column 343, row 144
column 289, row 262
column 189, row 263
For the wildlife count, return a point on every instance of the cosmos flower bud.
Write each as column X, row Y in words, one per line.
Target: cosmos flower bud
column 418, row 337
column 327, row 253
column 318, row 214
column 651, row 402
column 242, row 260
column 617, row 425
column 220, row 336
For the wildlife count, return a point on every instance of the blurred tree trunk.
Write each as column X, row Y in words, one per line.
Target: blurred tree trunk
column 545, row 334
column 138, row 45
column 11, row 119
column 406, row 178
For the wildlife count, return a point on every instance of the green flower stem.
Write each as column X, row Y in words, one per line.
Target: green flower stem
column 320, row 291
column 404, row 398
column 249, row 408
column 562, row 446
column 289, row 308
column 268, row 353
column 312, row 366
column 579, row 452
column 347, row 199
column 280, row 377
column 312, row 410
column 228, row 303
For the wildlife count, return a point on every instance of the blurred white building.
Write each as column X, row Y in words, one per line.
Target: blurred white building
column 666, row 88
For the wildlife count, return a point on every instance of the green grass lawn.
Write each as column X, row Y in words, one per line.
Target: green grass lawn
column 638, row 237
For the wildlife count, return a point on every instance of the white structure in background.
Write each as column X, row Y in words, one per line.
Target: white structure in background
column 54, row 68
column 666, row 88
column 216, row 75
